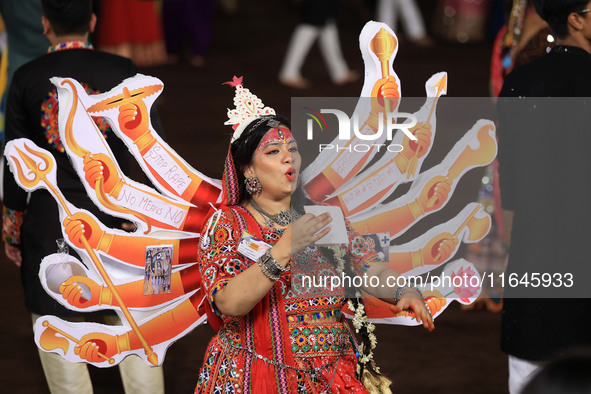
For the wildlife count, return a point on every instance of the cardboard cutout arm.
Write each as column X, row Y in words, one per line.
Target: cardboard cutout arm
column 160, row 329
column 385, row 95
column 433, row 188
column 181, row 283
column 432, row 197
column 176, row 176
column 437, row 251
column 127, row 248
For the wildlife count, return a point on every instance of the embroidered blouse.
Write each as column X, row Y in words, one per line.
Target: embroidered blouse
column 305, row 294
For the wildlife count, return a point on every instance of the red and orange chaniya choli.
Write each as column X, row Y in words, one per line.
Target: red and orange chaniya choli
column 279, row 346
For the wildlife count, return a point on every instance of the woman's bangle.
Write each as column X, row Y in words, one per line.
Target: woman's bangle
column 401, row 289
column 270, row 266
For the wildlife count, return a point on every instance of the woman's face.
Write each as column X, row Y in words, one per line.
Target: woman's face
column 276, row 163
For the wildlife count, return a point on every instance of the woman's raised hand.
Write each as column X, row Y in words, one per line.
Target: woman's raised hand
column 304, row 232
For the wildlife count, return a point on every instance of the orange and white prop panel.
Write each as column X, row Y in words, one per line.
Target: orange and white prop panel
column 150, row 277
column 150, row 281
column 360, row 180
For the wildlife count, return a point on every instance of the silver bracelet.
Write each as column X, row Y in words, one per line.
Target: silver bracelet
column 270, row 266
column 398, row 292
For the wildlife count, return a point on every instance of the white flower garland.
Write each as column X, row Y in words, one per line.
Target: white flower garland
column 339, row 254
column 359, row 321
column 360, row 317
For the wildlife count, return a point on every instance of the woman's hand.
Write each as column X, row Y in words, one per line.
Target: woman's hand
column 13, row 252
column 308, row 229
column 301, row 234
column 414, row 302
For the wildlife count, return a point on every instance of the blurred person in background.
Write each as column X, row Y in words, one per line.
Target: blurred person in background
column 132, row 29
column 525, row 37
column 187, row 21
column 318, row 21
column 389, row 11
column 25, row 32
column 22, row 19
column 547, row 227
column 30, row 224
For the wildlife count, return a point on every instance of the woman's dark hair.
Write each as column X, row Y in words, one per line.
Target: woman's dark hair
column 244, row 147
column 556, row 13
column 68, row 17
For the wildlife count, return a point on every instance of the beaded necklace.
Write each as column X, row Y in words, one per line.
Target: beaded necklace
column 70, row 45
column 283, row 218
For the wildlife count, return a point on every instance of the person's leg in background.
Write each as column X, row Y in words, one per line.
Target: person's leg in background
column 412, row 20
column 520, row 373
column 386, row 13
column 64, row 377
column 302, row 39
column 137, row 376
column 174, row 34
column 330, row 48
column 198, row 19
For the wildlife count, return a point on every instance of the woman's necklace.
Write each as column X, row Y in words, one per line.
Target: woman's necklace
column 283, row 218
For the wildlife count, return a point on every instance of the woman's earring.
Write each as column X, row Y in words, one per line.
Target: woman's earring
column 253, row 185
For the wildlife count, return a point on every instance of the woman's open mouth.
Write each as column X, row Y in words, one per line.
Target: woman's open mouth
column 290, row 174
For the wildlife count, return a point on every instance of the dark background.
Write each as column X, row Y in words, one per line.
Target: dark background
column 461, row 356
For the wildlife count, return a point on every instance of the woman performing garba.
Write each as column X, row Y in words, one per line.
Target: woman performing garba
column 275, row 335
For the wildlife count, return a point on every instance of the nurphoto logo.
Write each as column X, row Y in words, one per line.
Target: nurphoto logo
column 393, row 121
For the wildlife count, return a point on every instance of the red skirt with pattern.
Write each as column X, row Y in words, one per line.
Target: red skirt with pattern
column 324, row 357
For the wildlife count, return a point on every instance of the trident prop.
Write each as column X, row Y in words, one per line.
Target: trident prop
column 44, row 173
